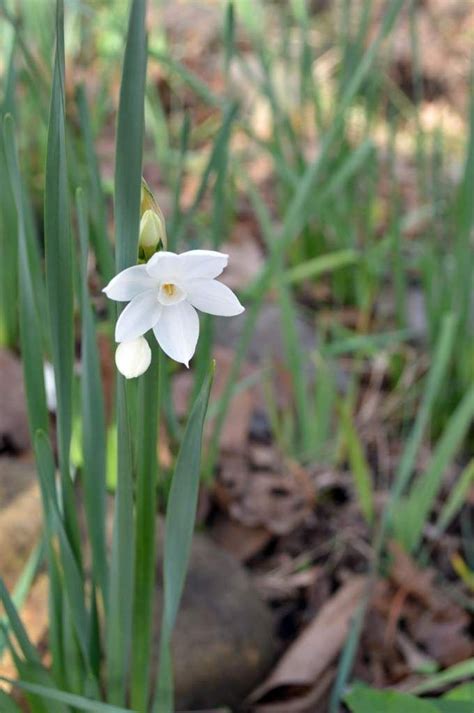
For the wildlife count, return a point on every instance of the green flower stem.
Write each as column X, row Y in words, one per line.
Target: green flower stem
column 149, row 399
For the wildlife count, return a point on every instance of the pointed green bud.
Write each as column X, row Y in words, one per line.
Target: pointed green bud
column 152, row 233
column 152, row 225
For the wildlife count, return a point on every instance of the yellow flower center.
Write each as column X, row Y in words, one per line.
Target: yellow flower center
column 169, row 288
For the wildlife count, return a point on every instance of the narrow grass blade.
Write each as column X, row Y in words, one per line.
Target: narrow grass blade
column 129, row 145
column 30, row 335
column 462, row 286
column 320, row 265
column 180, row 518
column 297, row 365
column 436, row 376
column 128, row 172
column 294, row 355
column 454, row 674
column 417, row 506
column 457, row 497
column 70, row 699
column 218, row 153
column 229, row 36
column 32, row 356
column 93, row 418
column 120, row 607
column 363, row 699
column 73, row 581
column 24, row 583
column 365, row 344
column 95, row 196
column 59, row 274
column 358, row 464
column 176, row 215
column 55, row 606
column 8, row 226
column 27, row 648
column 200, row 88
column 34, row 674
column 145, row 520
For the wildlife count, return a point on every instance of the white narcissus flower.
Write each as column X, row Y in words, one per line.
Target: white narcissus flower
column 163, row 295
column 133, row 357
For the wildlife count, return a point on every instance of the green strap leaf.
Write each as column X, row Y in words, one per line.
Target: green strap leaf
column 23, row 585
column 8, row 224
column 59, row 273
column 93, row 418
column 362, row 699
column 72, row 580
column 128, row 160
column 95, row 196
column 30, row 335
column 418, row 505
column 128, row 169
column 179, row 526
column 27, row 648
column 145, row 522
column 69, row 699
column 35, row 674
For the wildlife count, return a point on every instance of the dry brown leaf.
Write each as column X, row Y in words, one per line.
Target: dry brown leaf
column 242, row 542
column 14, row 433
column 405, row 574
column 286, row 581
column 447, row 641
column 278, row 501
column 318, row 645
column 306, row 703
column 415, row 658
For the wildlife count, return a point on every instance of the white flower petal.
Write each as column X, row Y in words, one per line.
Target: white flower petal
column 138, row 317
column 129, row 283
column 202, row 264
column 177, row 331
column 213, row 297
column 133, row 358
column 164, row 266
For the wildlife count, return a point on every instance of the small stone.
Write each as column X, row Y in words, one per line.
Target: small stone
column 224, row 641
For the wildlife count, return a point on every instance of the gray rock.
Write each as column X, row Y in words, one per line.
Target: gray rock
column 224, row 641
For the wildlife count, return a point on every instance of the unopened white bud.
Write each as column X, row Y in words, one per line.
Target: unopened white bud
column 152, row 232
column 133, row 357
